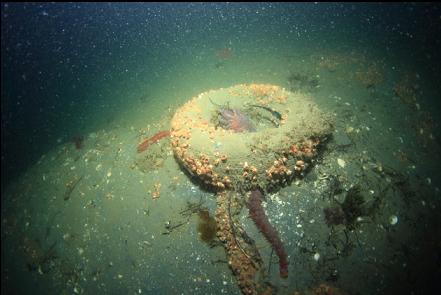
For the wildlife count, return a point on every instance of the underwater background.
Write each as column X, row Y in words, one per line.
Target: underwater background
column 83, row 84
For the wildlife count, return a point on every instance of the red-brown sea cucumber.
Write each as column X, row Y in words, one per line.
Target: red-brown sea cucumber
column 148, row 141
column 260, row 219
column 78, row 141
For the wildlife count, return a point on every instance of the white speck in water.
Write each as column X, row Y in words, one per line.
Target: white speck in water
column 393, row 219
column 316, row 256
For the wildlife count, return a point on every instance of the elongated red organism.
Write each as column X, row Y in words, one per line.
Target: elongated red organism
column 260, row 219
column 148, row 141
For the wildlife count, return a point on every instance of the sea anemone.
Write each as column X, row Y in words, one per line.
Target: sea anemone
column 235, row 120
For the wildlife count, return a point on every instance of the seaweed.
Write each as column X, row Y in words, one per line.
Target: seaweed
column 170, row 227
column 347, row 212
column 353, row 206
column 190, row 209
column 206, row 227
column 334, row 215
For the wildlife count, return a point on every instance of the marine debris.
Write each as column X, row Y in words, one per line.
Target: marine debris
column 148, row 141
column 231, row 162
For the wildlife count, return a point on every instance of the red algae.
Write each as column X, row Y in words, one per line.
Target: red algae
column 148, row 141
column 260, row 219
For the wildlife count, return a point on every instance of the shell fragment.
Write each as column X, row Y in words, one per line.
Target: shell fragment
column 341, row 163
